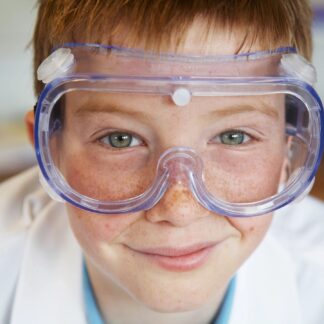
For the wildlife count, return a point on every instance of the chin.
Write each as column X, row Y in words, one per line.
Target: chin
column 174, row 301
column 179, row 306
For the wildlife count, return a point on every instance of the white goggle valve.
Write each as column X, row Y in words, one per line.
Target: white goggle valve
column 56, row 65
column 181, row 97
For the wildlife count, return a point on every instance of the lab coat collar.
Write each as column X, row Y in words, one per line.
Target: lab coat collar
column 49, row 286
column 266, row 289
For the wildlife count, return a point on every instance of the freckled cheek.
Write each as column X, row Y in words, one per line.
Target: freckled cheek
column 93, row 229
column 244, row 179
column 252, row 229
column 104, row 178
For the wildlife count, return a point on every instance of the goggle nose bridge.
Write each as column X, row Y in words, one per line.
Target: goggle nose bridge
column 182, row 165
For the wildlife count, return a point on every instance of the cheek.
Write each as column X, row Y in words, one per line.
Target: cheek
column 244, row 177
column 112, row 178
column 252, row 229
column 95, row 230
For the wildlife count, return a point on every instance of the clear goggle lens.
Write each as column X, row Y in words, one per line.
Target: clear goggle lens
column 116, row 128
column 108, row 146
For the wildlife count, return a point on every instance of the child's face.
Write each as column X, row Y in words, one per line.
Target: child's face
column 126, row 249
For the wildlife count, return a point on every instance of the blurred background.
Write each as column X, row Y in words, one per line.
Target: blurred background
column 17, row 18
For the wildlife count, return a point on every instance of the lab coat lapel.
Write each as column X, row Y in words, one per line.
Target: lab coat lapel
column 49, row 288
column 266, row 290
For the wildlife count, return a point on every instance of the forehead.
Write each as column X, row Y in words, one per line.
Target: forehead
column 222, row 41
column 198, row 39
column 154, row 108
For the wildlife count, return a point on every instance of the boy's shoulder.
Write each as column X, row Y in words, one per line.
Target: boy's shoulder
column 301, row 225
column 37, row 248
column 299, row 229
column 21, row 197
column 282, row 282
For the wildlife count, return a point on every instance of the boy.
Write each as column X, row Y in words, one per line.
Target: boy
column 172, row 130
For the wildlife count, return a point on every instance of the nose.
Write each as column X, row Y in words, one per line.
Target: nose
column 178, row 206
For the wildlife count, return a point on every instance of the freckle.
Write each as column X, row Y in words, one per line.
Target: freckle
column 251, row 229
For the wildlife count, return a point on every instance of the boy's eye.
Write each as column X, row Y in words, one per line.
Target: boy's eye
column 233, row 137
column 121, row 140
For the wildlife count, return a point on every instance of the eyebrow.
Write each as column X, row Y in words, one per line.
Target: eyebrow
column 88, row 109
column 243, row 109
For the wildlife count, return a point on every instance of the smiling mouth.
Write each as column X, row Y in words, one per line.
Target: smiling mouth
column 179, row 260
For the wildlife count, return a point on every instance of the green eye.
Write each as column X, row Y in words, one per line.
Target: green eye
column 233, row 138
column 120, row 140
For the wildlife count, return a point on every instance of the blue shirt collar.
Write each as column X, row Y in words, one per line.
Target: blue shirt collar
column 225, row 309
column 91, row 307
column 94, row 316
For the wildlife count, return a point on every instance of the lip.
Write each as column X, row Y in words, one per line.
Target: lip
column 179, row 259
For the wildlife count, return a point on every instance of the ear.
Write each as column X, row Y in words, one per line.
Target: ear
column 30, row 125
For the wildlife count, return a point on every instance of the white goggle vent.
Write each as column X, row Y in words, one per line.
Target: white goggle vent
column 181, row 97
column 56, row 65
column 296, row 65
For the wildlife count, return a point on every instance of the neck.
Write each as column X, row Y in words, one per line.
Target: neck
column 118, row 306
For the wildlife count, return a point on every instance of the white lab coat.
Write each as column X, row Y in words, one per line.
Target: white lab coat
column 40, row 264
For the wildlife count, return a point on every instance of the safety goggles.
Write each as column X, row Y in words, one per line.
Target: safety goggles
column 116, row 128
